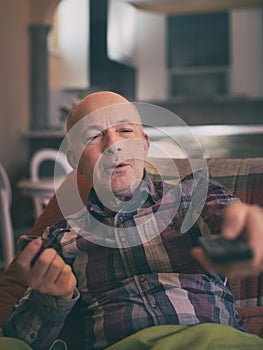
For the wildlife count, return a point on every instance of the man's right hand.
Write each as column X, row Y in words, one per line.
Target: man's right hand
column 49, row 274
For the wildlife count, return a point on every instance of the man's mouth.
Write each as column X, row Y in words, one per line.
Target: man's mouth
column 117, row 167
column 120, row 166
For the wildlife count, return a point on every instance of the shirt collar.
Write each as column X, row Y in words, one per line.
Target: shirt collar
column 152, row 190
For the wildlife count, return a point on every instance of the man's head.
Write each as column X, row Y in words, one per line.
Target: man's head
column 107, row 143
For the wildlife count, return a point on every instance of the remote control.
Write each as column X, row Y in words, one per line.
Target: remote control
column 220, row 250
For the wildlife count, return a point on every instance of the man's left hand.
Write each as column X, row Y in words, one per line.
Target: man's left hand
column 239, row 217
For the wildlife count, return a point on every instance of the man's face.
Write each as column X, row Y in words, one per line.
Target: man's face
column 114, row 149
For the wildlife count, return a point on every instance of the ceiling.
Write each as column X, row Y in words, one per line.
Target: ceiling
column 192, row 6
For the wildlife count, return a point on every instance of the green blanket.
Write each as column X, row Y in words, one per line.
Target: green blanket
column 206, row 336
column 199, row 337
column 16, row 344
column 11, row 343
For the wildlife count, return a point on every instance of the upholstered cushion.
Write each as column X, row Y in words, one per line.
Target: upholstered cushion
column 253, row 319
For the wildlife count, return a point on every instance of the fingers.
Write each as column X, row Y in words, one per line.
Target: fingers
column 25, row 258
column 44, row 269
column 235, row 217
column 49, row 274
column 255, row 232
column 199, row 255
column 236, row 269
column 65, row 278
column 240, row 217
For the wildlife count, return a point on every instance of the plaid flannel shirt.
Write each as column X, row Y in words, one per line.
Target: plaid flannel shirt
column 124, row 289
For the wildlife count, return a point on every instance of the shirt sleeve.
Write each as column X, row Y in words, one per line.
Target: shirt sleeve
column 38, row 318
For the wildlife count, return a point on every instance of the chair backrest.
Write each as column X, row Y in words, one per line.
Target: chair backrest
column 44, row 155
column 37, row 161
column 6, row 233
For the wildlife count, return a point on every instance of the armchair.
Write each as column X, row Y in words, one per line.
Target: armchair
column 243, row 176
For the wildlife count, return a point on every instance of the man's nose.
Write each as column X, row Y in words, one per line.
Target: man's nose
column 112, row 142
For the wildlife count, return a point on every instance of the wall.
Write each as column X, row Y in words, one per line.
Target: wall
column 73, row 16
column 14, row 82
column 151, row 63
column 151, row 83
column 247, row 52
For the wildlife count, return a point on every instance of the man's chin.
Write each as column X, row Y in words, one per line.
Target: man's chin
column 122, row 194
column 115, row 188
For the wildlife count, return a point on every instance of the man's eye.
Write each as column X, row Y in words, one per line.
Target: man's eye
column 126, row 130
column 93, row 137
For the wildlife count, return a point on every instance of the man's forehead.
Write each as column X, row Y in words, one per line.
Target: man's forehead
column 110, row 116
column 109, row 123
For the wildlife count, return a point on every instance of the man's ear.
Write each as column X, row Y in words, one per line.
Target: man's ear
column 146, row 143
column 72, row 159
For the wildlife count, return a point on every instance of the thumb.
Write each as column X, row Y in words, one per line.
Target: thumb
column 234, row 221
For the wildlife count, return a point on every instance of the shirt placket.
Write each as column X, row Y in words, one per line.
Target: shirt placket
column 121, row 241
column 142, row 282
column 149, row 301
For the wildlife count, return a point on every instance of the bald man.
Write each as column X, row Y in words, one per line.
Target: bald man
column 124, row 254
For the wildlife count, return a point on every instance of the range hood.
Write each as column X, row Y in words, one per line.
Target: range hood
column 192, row 6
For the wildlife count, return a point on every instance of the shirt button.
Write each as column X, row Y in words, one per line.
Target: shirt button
column 141, row 278
column 154, row 306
